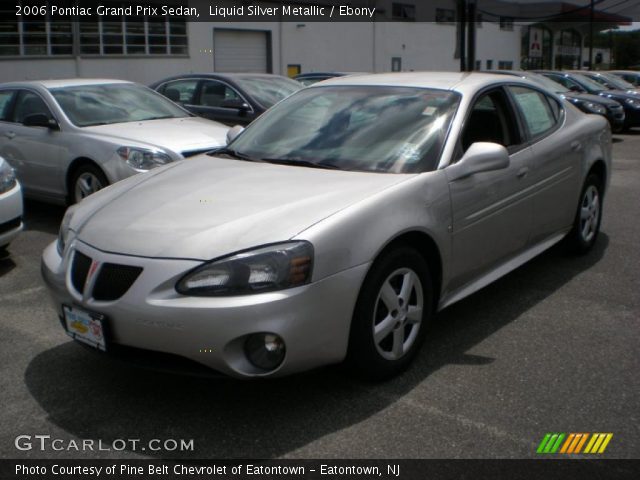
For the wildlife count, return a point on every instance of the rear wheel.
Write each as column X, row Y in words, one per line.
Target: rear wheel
column 87, row 179
column 586, row 225
column 391, row 315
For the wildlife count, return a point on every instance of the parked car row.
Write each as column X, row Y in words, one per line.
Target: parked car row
column 604, row 85
column 333, row 228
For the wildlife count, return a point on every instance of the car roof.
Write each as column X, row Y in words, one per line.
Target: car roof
column 458, row 81
column 68, row 82
column 223, row 75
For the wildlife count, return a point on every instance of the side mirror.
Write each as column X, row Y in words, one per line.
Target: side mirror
column 479, row 157
column 235, row 103
column 575, row 88
column 232, row 133
column 40, row 120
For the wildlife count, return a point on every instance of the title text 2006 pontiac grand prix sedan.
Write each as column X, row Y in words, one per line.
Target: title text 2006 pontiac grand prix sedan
column 334, row 227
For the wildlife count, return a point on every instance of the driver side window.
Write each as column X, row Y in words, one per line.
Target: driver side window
column 491, row 120
column 214, row 94
column 29, row 103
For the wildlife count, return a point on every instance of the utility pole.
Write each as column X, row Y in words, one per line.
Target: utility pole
column 471, row 36
column 462, row 24
column 591, row 16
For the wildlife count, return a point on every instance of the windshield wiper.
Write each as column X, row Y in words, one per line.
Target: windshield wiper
column 162, row 117
column 301, row 163
column 231, row 153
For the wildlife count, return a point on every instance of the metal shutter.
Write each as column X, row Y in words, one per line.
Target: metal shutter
column 240, row 51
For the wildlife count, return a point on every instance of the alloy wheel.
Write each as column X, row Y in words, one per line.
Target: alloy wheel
column 86, row 184
column 589, row 213
column 398, row 313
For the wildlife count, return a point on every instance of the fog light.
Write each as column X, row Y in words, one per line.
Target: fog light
column 265, row 350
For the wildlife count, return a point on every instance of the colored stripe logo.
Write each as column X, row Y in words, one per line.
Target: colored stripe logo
column 573, row 443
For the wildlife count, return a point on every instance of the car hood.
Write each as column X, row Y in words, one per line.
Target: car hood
column 619, row 95
column 177, row 134
column 208, row 207
column 587, row 97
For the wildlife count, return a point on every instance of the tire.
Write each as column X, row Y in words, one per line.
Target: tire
column 586, row 224
column 87, row 179
column 391, row 353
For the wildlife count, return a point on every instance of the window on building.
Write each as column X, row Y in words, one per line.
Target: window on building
column 489, row 64
column 506, row 23
column 445, row 15
column 35, row 35
column 54, row 36
column 133, row 36
column 505, row 65
column 478, row 64
column 403, row 11
column 396, row 64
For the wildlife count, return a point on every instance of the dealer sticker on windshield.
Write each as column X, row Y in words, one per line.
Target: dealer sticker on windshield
column 85, row 327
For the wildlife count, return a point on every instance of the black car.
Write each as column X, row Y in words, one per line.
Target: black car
column 612, row 82
column 230, row 98
column 577, row 82
column 586, row 102
column 630, row 76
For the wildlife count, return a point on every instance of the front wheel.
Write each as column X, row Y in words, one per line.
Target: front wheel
column 86, row 180
column 586, row 225
column 391, row 315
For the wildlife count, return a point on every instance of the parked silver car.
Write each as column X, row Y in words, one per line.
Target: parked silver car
column 334, row 226
column 10, row 206
column 69, row 138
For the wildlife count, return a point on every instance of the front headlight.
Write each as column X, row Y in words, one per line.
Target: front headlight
column 591, row 107
column 265, row 269
column 63, row 234
column 595, row 108
column 632, row 102
column 7, row 177
column 143, row 159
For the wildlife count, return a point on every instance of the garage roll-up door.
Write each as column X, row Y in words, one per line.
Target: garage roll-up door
column 240, row 51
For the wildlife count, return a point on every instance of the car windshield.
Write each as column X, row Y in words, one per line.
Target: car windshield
column 102, row 104
column 268, row 91
column 617, row 82
column 361, row 128
column 586, row 82
column 547, row 83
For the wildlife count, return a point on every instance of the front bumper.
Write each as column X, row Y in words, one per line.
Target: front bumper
column 11, row 210
column 313, row 320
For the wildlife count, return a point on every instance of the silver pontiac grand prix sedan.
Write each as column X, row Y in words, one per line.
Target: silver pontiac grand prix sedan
column 334, row 227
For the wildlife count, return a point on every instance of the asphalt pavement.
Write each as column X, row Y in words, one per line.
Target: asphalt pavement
column 551, row 347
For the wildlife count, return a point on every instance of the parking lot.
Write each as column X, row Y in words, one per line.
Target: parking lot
column 552, row 347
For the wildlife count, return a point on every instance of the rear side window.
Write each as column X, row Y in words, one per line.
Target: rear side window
column 5, row 102
column 538, row 114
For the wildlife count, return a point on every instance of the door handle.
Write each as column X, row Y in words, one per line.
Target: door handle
column 576, row 145
column 523, row 172
column 10, row 135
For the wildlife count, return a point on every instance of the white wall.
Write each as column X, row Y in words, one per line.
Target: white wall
column 498, row 45
column 356, row 46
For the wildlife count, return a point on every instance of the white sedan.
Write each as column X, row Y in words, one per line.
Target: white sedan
column 69, row 138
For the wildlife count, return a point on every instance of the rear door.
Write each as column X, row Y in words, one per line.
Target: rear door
column 492, row 211
column 555, row 163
